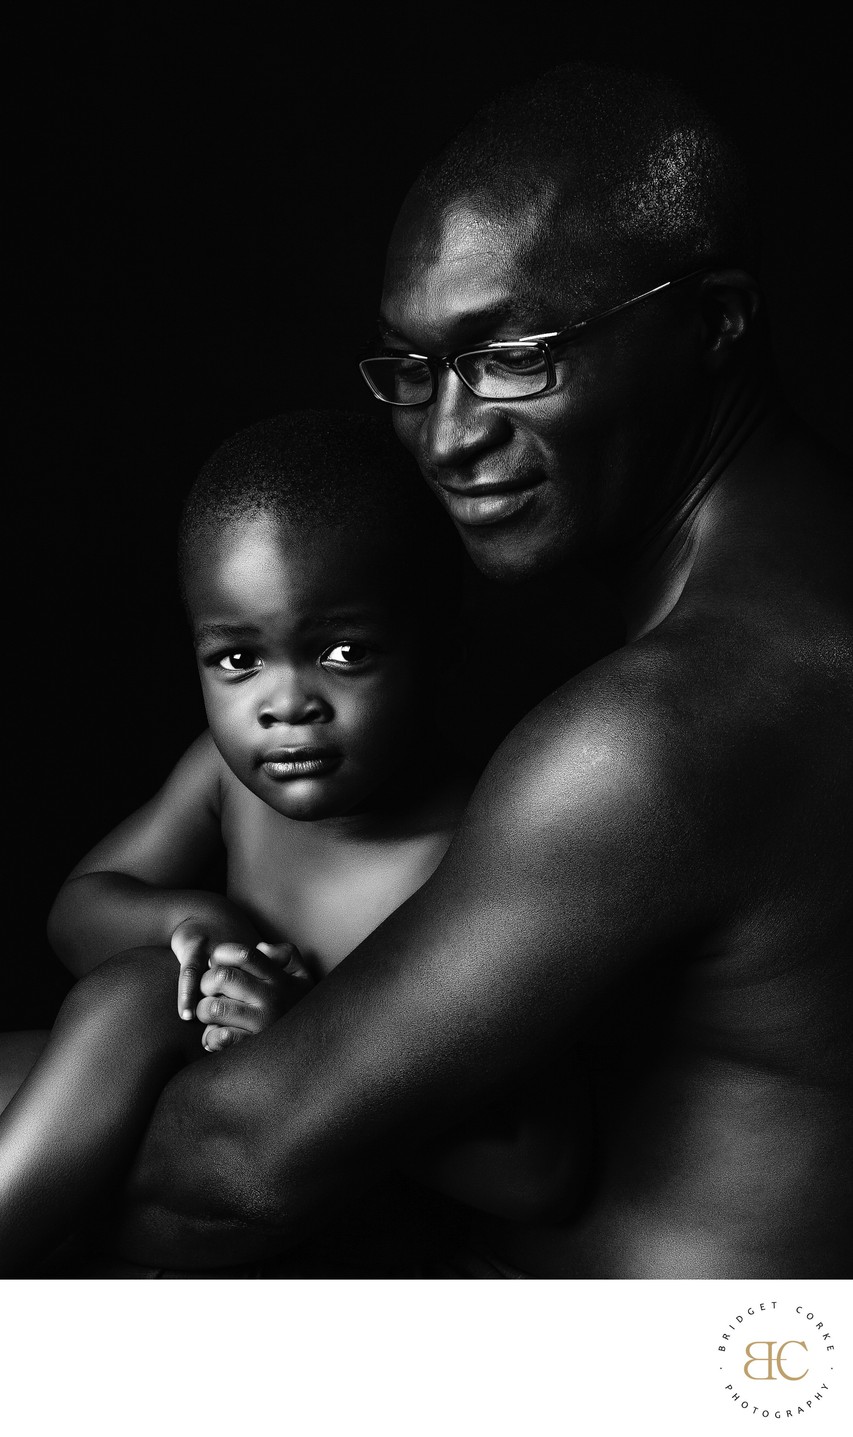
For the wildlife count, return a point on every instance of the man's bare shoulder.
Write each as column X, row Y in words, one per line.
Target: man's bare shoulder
column 638, row 717
column 689, row 746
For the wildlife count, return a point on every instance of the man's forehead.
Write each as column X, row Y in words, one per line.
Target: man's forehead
column 466, row 226
column 459, row 264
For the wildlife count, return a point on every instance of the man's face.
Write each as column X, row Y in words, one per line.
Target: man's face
column 572, row 473
column 312, row 680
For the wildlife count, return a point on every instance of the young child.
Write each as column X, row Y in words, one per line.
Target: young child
column 320, row 582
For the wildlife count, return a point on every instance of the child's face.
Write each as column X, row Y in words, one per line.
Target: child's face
column 310, row 672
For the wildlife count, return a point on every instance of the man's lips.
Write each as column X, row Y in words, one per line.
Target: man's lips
column 483, row 504
column 285, row 763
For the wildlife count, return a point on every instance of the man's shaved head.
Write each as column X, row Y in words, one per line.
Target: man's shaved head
column 562, row 198
column 623, row 179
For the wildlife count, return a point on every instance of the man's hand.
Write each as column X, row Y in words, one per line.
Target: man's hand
column 247, row 989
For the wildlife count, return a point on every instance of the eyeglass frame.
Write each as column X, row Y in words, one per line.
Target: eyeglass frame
column 545, row 342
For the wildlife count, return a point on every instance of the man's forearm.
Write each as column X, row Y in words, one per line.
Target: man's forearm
column 227, row 1172
column 188, row 1201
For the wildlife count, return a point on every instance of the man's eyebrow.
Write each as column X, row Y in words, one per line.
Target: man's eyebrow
column 478, row 322
column 387, row 331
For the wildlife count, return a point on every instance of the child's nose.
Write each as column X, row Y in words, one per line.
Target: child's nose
column 290, row 700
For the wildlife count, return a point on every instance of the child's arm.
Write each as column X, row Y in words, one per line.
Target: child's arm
column 134, row 888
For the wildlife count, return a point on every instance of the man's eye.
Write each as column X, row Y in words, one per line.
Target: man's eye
column 517, row 361
column 239, row 662
column 344, row 656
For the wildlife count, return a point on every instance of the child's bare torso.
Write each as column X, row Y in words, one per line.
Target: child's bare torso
column 325, row 885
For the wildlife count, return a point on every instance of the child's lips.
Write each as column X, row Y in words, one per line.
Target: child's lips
column 286, row 763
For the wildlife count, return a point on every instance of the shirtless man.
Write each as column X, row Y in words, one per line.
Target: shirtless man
column 656, row 862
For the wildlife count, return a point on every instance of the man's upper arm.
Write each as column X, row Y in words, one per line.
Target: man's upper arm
column 169, row 839
column 571, row 867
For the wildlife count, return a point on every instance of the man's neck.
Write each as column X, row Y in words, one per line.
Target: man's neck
column 649, row 578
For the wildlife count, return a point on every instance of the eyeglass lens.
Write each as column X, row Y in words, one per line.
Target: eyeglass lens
column 400, row 381
column 512, row 373
column 504, row 373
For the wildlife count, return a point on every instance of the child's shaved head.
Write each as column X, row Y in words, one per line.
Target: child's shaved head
column 326, row 470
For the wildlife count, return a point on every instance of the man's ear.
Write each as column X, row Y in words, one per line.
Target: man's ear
column 730, row 302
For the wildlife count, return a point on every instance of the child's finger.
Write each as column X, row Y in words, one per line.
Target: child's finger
column 189, row 949
column 234, row 955
column 216, row 1037
column 233, row 983
column 265, row 960
column 231, row 1013
column 234, row 997
column 288, row 957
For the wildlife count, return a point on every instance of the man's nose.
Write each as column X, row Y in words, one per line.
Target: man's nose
column 290, row 698
column 460, row 427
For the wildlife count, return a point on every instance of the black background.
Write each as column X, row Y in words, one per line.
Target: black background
column 205, row 203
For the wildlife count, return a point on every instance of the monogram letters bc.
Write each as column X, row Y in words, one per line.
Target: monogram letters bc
column 770, row 1361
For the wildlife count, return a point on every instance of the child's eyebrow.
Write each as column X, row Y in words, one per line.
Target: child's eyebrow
column 225, row 631
column 346, row 616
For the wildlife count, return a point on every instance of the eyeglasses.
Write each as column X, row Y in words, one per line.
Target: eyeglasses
column 505, row 369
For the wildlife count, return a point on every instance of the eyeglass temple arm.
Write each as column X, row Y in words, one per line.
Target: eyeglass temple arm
column 558, row 334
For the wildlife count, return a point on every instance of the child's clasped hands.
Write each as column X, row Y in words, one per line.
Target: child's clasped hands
column 235, row 988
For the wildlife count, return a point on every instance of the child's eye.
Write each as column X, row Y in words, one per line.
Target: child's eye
column 239, row 662
column 344, row 656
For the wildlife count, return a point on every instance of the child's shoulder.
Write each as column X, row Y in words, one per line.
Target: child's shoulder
column 200, row 773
